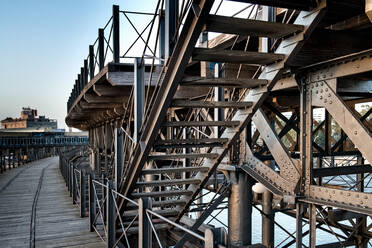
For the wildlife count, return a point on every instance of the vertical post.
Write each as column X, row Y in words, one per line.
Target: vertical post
column 240, row 210
column 144, row 226
column 92, row 203
column 139, row 96
column 110, row 215
column 361, row 222
column 80, row 85
column 69, row 179
column 101, row 48
column 91, row 62
column 82, row 194
column 161, row 37
column 209, row 238
column 82, row 79
column 171, row 17
column 115, row 33
column 312, row 228
column 118, row 157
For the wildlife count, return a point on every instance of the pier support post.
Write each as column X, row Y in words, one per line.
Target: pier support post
column 110, row 215
column 267, row 220
column 92, row 203
column 104, row 196
column 240, row 210
column 82, row 194
column 144, row 226
column 299, row 215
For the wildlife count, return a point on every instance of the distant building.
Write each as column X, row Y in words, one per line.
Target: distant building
column 29, row 119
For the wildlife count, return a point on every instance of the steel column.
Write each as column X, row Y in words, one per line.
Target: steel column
column 312, row 226
column 299, row 216
column 219, row 96
column 240, row 210
column 82, row 194
column 161, row 37
column 267, row 220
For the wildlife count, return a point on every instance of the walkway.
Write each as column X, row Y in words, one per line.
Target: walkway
column 36, row 210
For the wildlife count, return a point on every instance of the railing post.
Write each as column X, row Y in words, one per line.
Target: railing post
column 73, row 185
column 82, row 194
column 101, row 48
column 91, row 62
column 85, row 72
column 110, row 215
column 171, row 18
column 68, row 178
column 92, row 203
column 116, row 33
column 144, row 226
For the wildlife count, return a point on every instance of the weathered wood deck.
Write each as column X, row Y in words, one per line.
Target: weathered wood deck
column 36, row 210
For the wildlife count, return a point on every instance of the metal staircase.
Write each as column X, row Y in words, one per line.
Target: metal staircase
column 172, row 168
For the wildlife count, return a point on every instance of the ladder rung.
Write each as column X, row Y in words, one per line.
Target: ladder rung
column 234, row 56
column 240, row 26
column 209, row 104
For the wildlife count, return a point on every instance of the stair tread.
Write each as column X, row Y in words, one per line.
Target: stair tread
column 162, row 203
column 163, row 193
column 182, row 155
column 222, row 82
column 169, row 182
column 192, row 141
column 234, row 56
column 200, row 123
column 288, row 4
column 240, row 26
column 163, row 212
column 209, row 104
column 173, row 170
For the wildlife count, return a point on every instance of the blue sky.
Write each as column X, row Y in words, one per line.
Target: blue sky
column 42, row 47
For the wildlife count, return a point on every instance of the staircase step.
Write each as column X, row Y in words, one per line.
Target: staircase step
column 162, row 212
column 184, row 143
column 168, row 182
column 240, row 26
column 288, row 4
column 134, row 230
column 222, row 82
column 201, row 124
column 234, row 56
column 209, row 104
column 173, row 170
column 162, row 193
column 182, row 155
column 165, row 203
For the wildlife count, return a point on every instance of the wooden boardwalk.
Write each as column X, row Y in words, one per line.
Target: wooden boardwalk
column 36, row 210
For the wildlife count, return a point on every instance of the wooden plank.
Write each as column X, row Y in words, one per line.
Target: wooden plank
column 234, row 56
column 240, row 26
column 104, row 90
column 91, row 98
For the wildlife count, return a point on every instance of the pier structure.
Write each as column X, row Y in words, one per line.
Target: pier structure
column 262, row 109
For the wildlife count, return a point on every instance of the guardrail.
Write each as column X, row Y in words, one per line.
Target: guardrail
column 17, row 142
column 98, row 199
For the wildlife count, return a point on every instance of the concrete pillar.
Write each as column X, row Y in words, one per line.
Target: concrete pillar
column 240, row 210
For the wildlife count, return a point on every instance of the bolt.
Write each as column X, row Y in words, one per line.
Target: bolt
column 355, row 132
column 321, row 97
column 326, row 89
